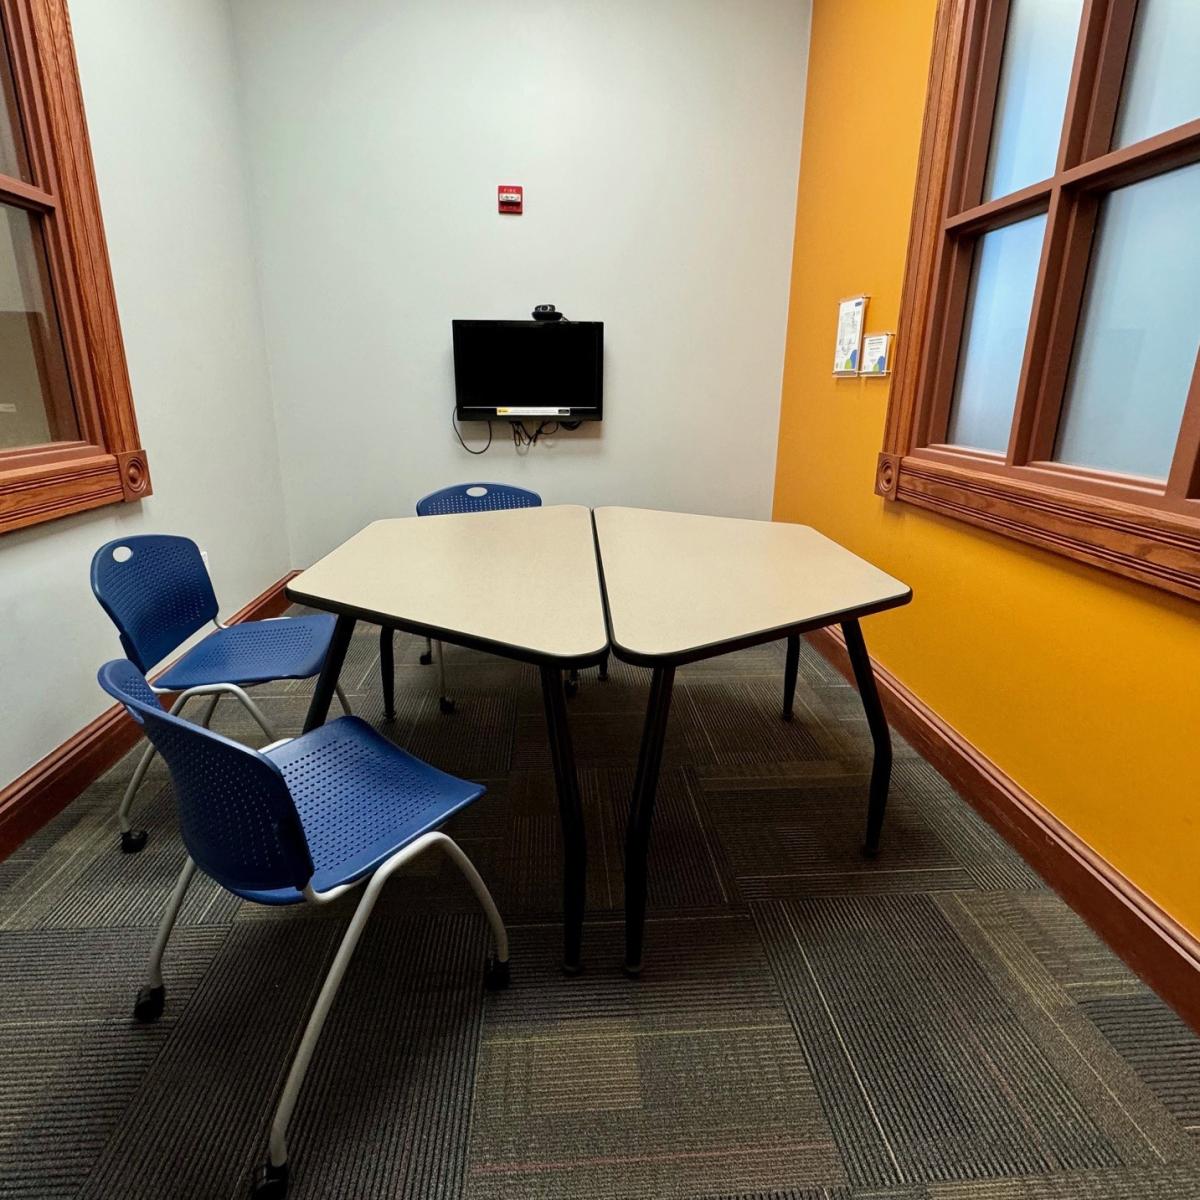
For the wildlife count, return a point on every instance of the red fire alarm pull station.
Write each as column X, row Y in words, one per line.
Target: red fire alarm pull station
column 510, row 197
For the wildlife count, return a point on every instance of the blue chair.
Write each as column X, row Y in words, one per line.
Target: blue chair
column 157, row 591
column 302, row 821
column 461, row 498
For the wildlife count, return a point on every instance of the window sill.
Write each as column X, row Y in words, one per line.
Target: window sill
column 68, row 481
column 1149, row 545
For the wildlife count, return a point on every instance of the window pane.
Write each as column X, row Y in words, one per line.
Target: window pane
column 1139, row 330
column 1039, row 47
column 12, row 140
column 1162, row 76
column 997, row 320
column 35, row 399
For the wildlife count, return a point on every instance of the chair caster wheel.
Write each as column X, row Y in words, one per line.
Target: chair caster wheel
column 426, row 658
column 133, row 840
column 270, row 1183
column 149, row 1004
column 570, row 687
column 496, row 975
column 446, row 704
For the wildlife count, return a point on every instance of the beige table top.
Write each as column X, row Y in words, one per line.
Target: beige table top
column 681, row 587
column 522, row 582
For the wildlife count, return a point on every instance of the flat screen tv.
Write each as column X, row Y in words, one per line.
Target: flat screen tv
column 513, row 370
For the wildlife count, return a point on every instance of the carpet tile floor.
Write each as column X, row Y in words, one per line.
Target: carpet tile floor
column 935, row 1025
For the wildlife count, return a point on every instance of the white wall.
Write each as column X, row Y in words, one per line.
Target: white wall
column 658, row 144
column 160, row 91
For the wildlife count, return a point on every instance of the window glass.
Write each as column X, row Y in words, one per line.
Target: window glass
column 1162, row 74
column 1139, row 330
column 35, row 398
column 1039, row 48
column 997, row 320
column 12, row 140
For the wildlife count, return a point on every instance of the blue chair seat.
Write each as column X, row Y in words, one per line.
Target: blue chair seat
column 254, row 652
column 360, row 799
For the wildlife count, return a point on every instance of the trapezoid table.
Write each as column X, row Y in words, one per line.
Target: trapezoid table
column 679, row 588
column 518, row 583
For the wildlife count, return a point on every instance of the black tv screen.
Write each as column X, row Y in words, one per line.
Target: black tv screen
column 513, row 370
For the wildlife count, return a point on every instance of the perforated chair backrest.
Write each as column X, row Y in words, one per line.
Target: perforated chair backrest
column 156, row 589
column 237, row 817
column 488, row 497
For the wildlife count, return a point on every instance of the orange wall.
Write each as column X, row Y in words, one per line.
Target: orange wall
column 1085, row 690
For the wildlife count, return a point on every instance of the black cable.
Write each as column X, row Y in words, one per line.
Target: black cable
column 522, row 438
column 458, row 434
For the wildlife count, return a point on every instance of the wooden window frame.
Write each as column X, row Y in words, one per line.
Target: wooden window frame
column 1141, row 529
column 107, row 464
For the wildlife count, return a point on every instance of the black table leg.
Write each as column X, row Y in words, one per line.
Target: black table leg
column 566, row 783
column 318, row 709
column 387, row 671
column 790, row 670
column 604, row 666
column 641, row 814
column 881, row 769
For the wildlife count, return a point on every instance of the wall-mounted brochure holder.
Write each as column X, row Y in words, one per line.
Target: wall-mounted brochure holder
column 847, row 355
column 877, row 354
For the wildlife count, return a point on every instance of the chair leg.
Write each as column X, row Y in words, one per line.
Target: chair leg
column 444, row 701
column 427, row 657
column 149, row 1004
column 272, row 1178
column 387, row 671
column 497, row 969
column 337, row 687
column 133, row 840
column 206, row 720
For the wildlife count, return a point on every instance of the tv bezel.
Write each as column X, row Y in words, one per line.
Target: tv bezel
column 493, row 413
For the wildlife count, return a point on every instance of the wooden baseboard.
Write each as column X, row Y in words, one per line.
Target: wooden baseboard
column 1150, row 941
column 43, row 791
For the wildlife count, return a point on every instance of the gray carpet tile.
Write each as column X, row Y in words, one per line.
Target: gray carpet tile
column 601, row 1086
column 787, row 838
column 974, row 843
column 935, row 1025
column 1164, row 1052
column 923, row 1067
column 71, row 1059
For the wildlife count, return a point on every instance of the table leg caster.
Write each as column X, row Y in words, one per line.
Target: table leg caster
column 270, row 1183
column 149, row 1004
column 496, row 975
column 133, row 840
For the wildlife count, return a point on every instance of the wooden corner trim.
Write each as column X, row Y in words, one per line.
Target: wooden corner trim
column 42, row 792
column 135, row 474
column 887, row 475
column 1153, row 944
